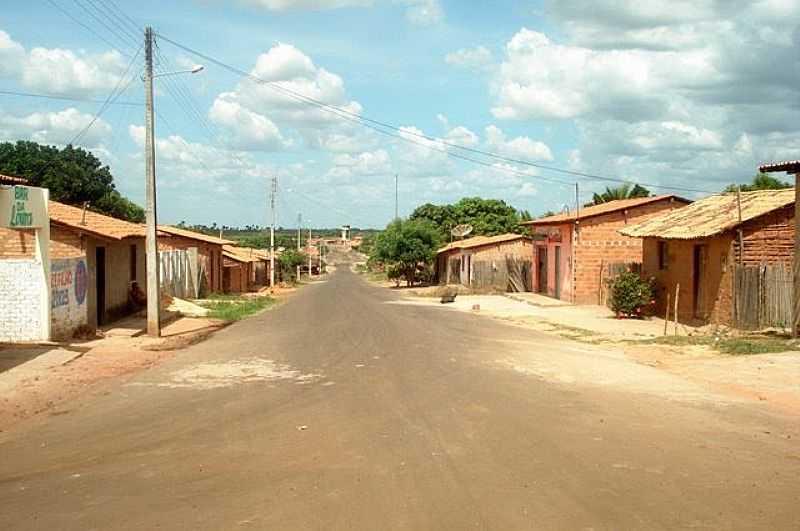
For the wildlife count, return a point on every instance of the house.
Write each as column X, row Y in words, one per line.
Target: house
column 695, row 248
column 575, row 251
column 500, row 262
column 93, row 259
column 209, row 253
column 241, row 266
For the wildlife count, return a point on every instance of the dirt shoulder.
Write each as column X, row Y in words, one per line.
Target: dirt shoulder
column 42, row 379
column 768, row 379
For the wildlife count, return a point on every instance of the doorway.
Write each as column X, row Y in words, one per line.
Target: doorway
column 100, row 284
column 698, row 277
column 541, row 269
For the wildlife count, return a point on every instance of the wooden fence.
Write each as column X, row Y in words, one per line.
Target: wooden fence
column 762, row 296
column 181, row 275
column 509, row 274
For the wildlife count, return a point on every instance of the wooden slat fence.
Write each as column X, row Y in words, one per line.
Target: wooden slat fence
column 180, row 275
column 509, row 274
column 762, row 296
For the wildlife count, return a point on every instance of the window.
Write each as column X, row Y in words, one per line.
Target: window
column 663, row 257
column 133, row 262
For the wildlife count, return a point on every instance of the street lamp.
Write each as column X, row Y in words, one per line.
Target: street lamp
column 151, row 218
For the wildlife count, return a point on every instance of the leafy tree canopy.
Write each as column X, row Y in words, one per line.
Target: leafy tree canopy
column 405, row 245
column 624, row 191
column 72, row 174
column 488, row 217
column 761, row 181
column 289, row 260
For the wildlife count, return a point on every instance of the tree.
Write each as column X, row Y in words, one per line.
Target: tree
column 407, row 246
column 72, row 174
column 625, row 191
column 289, row 260
column 488, row 217
column 761, row 181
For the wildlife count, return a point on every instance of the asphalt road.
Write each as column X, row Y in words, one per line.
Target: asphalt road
column 343, row 410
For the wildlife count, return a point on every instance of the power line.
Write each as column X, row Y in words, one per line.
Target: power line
column 87, row 27
column 66, row 98
column 377, row 124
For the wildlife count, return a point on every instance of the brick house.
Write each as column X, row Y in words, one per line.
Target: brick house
column 240, row 268
column 590, row 241
column 93, row 260
column 500, row 262
column 209, row 253
column 696, row 247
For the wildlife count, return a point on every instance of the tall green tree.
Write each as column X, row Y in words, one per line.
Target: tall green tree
column 624, row 191
column 72, row 174
column 405, row 246
column 761, row 181
column 488, row 217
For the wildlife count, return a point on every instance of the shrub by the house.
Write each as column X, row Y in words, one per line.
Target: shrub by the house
column 630, row 294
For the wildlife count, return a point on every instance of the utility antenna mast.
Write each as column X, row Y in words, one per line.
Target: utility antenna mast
column 272, row 234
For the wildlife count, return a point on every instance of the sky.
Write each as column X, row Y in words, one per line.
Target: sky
column 683, row 96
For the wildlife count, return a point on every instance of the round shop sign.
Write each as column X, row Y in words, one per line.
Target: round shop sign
column 80, row 282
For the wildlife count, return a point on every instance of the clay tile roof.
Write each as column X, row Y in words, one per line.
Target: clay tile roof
column 193, row 235
column 604, row 208
column 712, row 215
column 10, row 179
column 97, row 224
column 480, row 241
column 790, row 166
column 243, row 254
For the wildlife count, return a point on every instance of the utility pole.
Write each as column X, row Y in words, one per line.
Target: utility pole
column 309, row 249
column 272, row 235
column 396, row 198
column 151, row 218
column 299, row 224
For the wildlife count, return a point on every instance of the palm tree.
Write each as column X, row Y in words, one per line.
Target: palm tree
column 624, row 191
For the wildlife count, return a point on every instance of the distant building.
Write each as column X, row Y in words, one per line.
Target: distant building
column 574, row 251
column 209, row 253
column 500, row 262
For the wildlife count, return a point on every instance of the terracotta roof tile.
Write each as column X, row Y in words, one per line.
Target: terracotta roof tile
column 11, row 179
column 94, row 223
column 604, row 208
column 712, row 215
column 193, row 235
column 480, row 241
column 244, row 254
column 790, row 166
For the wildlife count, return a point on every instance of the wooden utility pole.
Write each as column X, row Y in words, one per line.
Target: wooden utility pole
column 299, row 223
column 309, row 249
column 796, row 263
column 151, row 218
column 272, row 234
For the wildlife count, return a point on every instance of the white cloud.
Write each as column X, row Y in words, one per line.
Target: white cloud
column 54, row 127
column 12, row 56
column 286, row 5
column 362, row 165
column 471, row 58
column 521, row 147
column 261, row 116
column 423, row 12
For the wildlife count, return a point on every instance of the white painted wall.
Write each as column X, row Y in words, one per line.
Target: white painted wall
column 21, row 297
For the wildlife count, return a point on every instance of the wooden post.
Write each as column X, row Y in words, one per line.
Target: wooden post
column 739, row 230
column 675, row 311
column 666, row 314
column 796, row 263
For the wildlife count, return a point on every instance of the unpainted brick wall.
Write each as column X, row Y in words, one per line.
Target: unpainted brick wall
column 21, row 285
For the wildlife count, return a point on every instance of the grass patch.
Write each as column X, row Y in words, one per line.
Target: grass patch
column 735, row 346
column 238, row 308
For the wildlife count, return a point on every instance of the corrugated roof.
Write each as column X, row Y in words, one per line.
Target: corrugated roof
column 790, row 166
column 712, row 215
column 480, row 241
column 184, row 233
column 94, row 223
column 603, row 208
column 11, row 179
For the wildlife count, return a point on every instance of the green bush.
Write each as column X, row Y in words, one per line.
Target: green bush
column 630, row 294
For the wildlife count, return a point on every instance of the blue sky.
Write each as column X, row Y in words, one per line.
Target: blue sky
column 688, row 94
